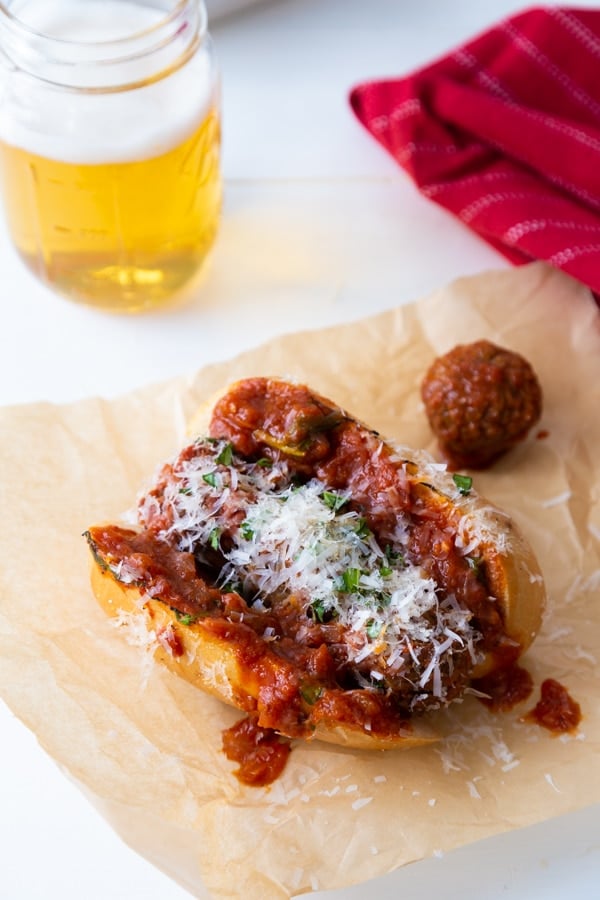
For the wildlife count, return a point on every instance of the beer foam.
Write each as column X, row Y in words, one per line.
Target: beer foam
column 104, row 127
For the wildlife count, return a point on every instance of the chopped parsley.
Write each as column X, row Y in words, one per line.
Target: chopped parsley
column 225, row 457
column 184, row 618
column 350, row 580
column 393, row 556
column 318, row 611
column 214, row 538
column 464, row 483
column 362, row 529
column 210, row 478
column 374, row 628
column 334, row 501
column 247, row 531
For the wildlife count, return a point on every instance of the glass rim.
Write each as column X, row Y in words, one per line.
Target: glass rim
column 14, row 22
column 68, row 63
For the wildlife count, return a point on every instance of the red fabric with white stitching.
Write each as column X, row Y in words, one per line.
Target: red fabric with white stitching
column 505, row 133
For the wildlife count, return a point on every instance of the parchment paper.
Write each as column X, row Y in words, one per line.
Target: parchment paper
column 149, row 756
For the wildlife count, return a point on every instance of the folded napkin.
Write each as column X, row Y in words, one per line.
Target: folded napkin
column 505, row 133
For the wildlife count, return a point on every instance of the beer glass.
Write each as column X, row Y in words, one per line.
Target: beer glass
column 109, row 145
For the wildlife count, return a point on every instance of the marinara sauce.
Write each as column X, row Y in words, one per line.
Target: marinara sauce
column 556, row 710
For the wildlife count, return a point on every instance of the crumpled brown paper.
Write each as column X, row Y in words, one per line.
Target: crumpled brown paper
column 145, row 747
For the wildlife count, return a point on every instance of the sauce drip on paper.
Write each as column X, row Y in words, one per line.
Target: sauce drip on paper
column 556, row 710
column 261, row 752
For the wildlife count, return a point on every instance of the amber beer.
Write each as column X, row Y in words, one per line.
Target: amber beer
column 114, row 199
column 124, row 235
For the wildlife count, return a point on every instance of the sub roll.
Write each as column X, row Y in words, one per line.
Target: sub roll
column 327, row 582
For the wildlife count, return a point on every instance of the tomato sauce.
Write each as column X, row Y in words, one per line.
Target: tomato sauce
column 170, row 640
column 556, row 710
column 261, row 752
column 505, row 688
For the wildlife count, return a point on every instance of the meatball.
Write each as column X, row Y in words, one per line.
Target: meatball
column 480, row 400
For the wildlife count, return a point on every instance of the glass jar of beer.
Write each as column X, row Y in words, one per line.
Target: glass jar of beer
column 109, row 145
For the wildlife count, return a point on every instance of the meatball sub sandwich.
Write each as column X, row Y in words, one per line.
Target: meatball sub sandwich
column 325, row 581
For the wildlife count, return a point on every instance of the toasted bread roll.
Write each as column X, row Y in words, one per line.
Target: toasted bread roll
column 299, row 567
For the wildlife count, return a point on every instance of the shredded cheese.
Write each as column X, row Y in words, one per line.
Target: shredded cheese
column 285, row 543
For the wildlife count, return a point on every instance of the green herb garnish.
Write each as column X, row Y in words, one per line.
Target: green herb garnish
column 310, row 693
column 247, row 531
column 362, row 529
column 350, row 580
column 334, row 501
column 214, row 538
column 184, row 618
column 226, row 455
column 385, row 571
column 264, row 462
column 393, row 556
column 317, row 610
column 210, row 478
column 233, row 587
column 373, row 628
column 187, row 491
column 464, row 483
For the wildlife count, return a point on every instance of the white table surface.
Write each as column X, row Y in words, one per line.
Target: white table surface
column 319, row 227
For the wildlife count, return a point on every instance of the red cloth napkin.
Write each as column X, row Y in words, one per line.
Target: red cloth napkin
column 505, row 133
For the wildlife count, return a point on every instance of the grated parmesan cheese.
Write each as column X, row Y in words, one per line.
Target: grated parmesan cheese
column 473, row 792
column 281, row 541
column 137, row 634
column 557, row 500
column 550, row 781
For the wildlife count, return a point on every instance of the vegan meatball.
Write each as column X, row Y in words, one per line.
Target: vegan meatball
column 480, row 400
